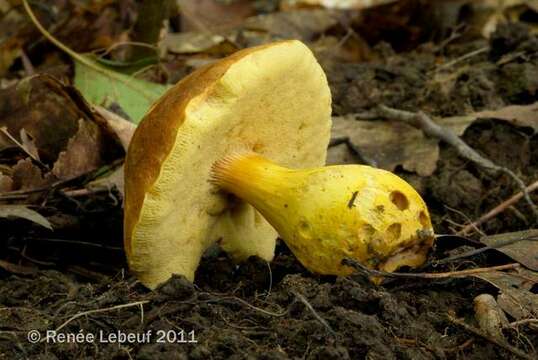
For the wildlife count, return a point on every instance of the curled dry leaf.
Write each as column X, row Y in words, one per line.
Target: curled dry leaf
column 518, row 115
column 6, row 183
column 28, row 144
column 301, row 24
column 53, row 123
column 213, row 16
column 122, row 128
column 23, row 212
column 83, row 152
column 26, row 176
column 522, row 246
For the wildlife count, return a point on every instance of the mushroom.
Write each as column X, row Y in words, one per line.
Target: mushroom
column 234, row 151
column 273, row 100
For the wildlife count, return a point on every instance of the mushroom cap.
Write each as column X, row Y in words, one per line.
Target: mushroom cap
column 273, row 100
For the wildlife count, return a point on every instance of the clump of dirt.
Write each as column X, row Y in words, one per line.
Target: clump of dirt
column 279, row 310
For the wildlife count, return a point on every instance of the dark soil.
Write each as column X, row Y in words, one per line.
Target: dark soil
column 255, row 310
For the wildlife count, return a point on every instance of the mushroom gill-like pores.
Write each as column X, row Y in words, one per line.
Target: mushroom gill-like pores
column 273, row 100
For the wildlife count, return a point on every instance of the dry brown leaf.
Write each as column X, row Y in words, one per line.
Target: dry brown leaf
column 304, row 25
column 211, row 15
column 191, row 42
column 518, row 115
column 28, row 144
column 23, row 212
column 56, row 125
column 519, row 304
column 123, row 129
column 83, row 152
column 27, row 176
column 389, row 144
column 524, row 251
column 6, row 184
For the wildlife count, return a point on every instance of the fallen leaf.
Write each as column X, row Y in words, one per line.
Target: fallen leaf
column 197, row 42
column 23, row 212
column 6, row 184
column 389, row 144
column 518, row 115
column 123, row 129
column 102, row 86
column 210, row 15
column 83, row 152
column 41, row 106
column 67, row 134
column 304, row 25
column 27, row 176
column 29, row 145
column 524, row 250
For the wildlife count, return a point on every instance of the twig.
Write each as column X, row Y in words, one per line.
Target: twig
column 498, row 209
column 442, row 275
column 95, row 311
column 5, row 131
column 522, row 322
column 270, row 287
column 497, row 342
column 316, row 315
column 246, row 303
column 16, row 269
column 422, row 121
column 462, row 58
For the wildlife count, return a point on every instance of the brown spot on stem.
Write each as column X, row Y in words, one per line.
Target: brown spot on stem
column 351, row 201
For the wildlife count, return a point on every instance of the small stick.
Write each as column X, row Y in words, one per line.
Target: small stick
column 498, row 209
column 95, row 311
column 316, row 315
column 4, row 130
column 442, row 275
column 462, row 58
column 522, row 322
column 421, row 121
column 246, row 303
column 497, row 342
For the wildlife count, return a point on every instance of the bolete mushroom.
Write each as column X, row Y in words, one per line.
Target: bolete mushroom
column 223, row 130
column 273, row 100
